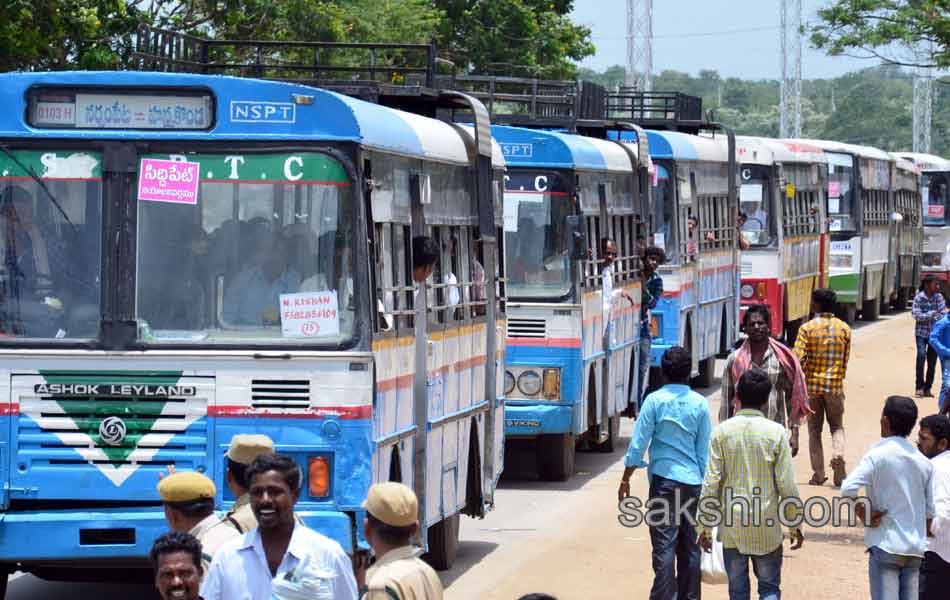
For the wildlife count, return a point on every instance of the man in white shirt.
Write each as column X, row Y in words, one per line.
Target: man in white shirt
column 897, row 482
column 609, row 249
column 280, row 552
column 933, row 440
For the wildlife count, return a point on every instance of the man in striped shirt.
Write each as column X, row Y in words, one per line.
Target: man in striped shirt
column 750, row 468
column 823, row 347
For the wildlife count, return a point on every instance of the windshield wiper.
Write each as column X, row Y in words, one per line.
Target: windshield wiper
column 32, row 173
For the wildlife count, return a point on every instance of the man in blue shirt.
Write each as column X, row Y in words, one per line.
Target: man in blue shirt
column 940, row 341
column 674, row 424
column 896, row 478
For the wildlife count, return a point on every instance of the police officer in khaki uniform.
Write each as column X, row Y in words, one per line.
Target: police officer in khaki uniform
column 242, row 452
column 189, row 508
column 392, row 512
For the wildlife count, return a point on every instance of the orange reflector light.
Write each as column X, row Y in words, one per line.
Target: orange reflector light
column 760, row 290
column 551, row 384
column 319, row 476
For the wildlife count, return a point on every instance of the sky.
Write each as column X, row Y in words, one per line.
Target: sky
column 738, row 38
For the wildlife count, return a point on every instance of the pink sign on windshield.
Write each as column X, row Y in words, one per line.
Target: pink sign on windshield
column 935, row 211
column 169, row 181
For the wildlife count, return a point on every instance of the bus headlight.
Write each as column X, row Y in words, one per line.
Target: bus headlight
column 746, row 291
column 551, row 384
column 509, row 382
column 529, row 383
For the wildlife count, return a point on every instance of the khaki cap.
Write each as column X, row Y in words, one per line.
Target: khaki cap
column 392, row 503
column 185, row 486
column 246, row 447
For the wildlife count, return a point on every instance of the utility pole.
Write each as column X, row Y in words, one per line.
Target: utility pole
column 923, row 102
column 790, row 101
column 640, row 44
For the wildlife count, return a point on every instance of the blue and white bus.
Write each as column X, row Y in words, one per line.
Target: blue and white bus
column 189, row 257
column 693, row 218
column 935, row 194
column 563, row 384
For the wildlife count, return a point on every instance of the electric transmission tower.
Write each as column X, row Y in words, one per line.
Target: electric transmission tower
column 923, row 103
column 640, row 44
column 790, row 102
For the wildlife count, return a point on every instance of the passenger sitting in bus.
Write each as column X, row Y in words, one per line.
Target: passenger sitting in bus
column 253, row 298
column 692, row 224
column 425, row 253
column 28, row 298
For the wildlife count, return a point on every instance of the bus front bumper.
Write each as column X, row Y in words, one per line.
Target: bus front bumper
column 529, row 420
column 30, row 536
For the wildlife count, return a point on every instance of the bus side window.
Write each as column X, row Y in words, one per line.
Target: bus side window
column 382, row 259
column 402, row 278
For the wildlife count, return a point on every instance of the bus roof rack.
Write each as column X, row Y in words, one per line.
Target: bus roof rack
column 532, row 103
column 394, row 75
column 657, row 110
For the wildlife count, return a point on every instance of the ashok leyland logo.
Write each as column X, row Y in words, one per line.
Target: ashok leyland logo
column 116, row 421
column 112, row 431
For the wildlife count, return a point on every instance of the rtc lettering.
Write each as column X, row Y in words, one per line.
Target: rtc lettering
column 234, row 161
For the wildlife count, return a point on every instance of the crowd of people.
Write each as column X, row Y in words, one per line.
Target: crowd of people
column 743, row 464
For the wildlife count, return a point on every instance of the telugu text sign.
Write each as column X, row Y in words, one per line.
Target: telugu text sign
column 309, row 314
column 169, row 181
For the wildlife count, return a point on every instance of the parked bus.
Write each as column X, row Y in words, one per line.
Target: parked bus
column 563, row 385
column 907, row 236
column 935, row 194
column 861, row 266
column 217, row 255
column 782, row 198
column 693, row 218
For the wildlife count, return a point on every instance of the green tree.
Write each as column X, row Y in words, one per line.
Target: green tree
column 895, row 31
column 527, row 38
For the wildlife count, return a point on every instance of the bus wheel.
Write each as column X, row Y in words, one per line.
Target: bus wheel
column 850, row 313
column 556, row 456
column 707, row 373
column 885, row 307
column 443, row 543
column 613, row 433
column 871, row 310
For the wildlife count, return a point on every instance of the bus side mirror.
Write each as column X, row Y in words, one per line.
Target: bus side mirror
column 576, row 237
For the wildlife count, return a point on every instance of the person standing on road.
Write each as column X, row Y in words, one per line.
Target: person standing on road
column 823, row 346
column 392, row 520
column 750, row 458
column 896, row 478
column 280, row 550
column 176, row 560
column 933, row 440
column 928, row 308
column 652, row 287
column 940, row 342
column 674, row 424
column 788, row 400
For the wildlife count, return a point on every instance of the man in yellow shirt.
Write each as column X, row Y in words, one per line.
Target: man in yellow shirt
column 823, row 346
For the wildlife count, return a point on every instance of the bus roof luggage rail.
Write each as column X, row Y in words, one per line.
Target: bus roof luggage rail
column 532, row 103
column 657, row 110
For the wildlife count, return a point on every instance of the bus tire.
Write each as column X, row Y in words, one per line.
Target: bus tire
column 885, row 306
column 556, row 456
column 613, row 433
column 443, row 540
column 707, row 373
column 871, row 310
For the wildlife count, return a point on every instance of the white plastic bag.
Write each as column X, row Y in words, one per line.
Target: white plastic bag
column 712, row 564
column 309, row 580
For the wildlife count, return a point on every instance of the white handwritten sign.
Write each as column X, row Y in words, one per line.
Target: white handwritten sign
column 309, row 314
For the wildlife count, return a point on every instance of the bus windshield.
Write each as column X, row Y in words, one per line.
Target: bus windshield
column 50, row 237
column 537, row 259
column 259, row 253
column 755, row 205
column 841, row 206
column 936, row 194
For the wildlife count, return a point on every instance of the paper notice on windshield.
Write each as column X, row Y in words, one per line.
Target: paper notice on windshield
column 834, row 189
column 834, row 205
column 834, row 225
column 750, row 192
column 659, row 240
column 511, row 213
column 309, row 314
column 935, row 211
column 169, row 181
